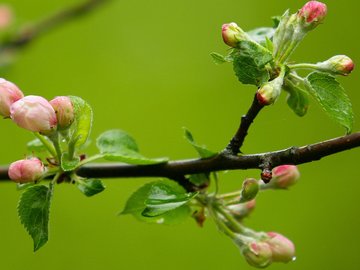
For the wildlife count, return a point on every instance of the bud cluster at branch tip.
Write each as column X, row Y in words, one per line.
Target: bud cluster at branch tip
column 9, row 93
column 34, row 113
column 26, row 170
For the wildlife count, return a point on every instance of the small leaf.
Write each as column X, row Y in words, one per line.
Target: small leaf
column 90, row 187
column 136, row 204
column 218, row 58
column 332, row 98
column 117, row 145
column 201, row 149
column 165, row 196
column 249, row 63
column 68, row 164
column 33, row 210
column 81, row 127
column 115, row 141
column 36, row 146
column 261, row 34
column 298, row 99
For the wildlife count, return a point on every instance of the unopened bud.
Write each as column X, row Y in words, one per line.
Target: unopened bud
column 312, row 14
column 257, row 254
column 284, row 176
column 283, row 250
column 242, row 210
column 34, row 113
column 269, row 92
column 337, row 65
column 64, row 110
column 9, row 93
column 250, row 188
column 232, row 34
column 6, row 16
column 26, row 170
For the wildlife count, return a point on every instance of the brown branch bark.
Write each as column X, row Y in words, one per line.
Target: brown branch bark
column 178, row 169
column 29, row 33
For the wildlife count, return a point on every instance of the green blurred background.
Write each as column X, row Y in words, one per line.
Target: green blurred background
column 145, row 67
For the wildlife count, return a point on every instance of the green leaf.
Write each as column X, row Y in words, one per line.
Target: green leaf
column 298, row 99
column 136, row 204
column 332, row 98
column 33, row 210
column 36, row 146
column 81, row 127
column 68, row 164
column 117, row 145
column 164, row 197
column 201, row 149
column 218, row 58
column 116, row 141
column 90, row 187
column 249, row 63
column 261, row 34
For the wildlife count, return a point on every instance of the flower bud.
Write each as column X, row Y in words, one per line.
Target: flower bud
column 26, row 170
column 269, row 92
column 64, row 110
column 312, row 14
column 232, row 34
column 34, row 113
column 284, row 176
column 283, row 250
column 241, row 210
column 249, row 190
column 257, row 254
column 9, row 93
column 337, row 65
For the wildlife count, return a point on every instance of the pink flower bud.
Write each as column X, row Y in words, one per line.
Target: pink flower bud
column 337, row 65
column 64, row 110
column 9, row 93
column 34, row 113
column 269, row 92
column 258, row 254
column 284, row 176
column 6, row 16
column 312, row 14
column 232, row 34
column 26, row 170
column 283, row 250
column 241, row 210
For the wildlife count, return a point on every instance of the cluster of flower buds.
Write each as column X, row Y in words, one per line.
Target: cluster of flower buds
column 283, row 177
column 232, row 34
column 36, row 114
column 272, row 247
column 337, row 65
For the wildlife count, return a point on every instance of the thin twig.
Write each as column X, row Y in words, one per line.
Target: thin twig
column 237, row 141
column 29, row 33
column 177, row 169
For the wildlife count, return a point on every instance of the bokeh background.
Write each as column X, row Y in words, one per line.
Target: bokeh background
column 145, row 67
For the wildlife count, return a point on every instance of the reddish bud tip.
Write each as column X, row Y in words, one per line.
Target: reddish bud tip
column 34, row 113
column 232, row 34
column 312, row 13
column 337, row 65
column 6, row 16
column 9, row 93
column 285, row 176
column 283, row 250
column 26, row 170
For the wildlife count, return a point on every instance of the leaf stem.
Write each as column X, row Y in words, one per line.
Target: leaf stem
column 89, row 159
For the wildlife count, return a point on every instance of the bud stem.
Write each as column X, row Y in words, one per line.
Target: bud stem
column 55, row 138
column 303, row 66
column 46, row 143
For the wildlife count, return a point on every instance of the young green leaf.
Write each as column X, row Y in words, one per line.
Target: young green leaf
column 90, row 187
column 332, row 98
column 136, row 204
column 33, row 210
column 201, row 149
column 81, row 127
column 218, row 58
column 36, row 146
column 249, row 63
column 298, row 99
column 165, row 196
column 68, row 164
column 117, row 145
column 261, row 34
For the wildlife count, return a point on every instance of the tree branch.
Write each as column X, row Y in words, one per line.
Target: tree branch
column 178, row 169
column 29, row 33
column 237, row 141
